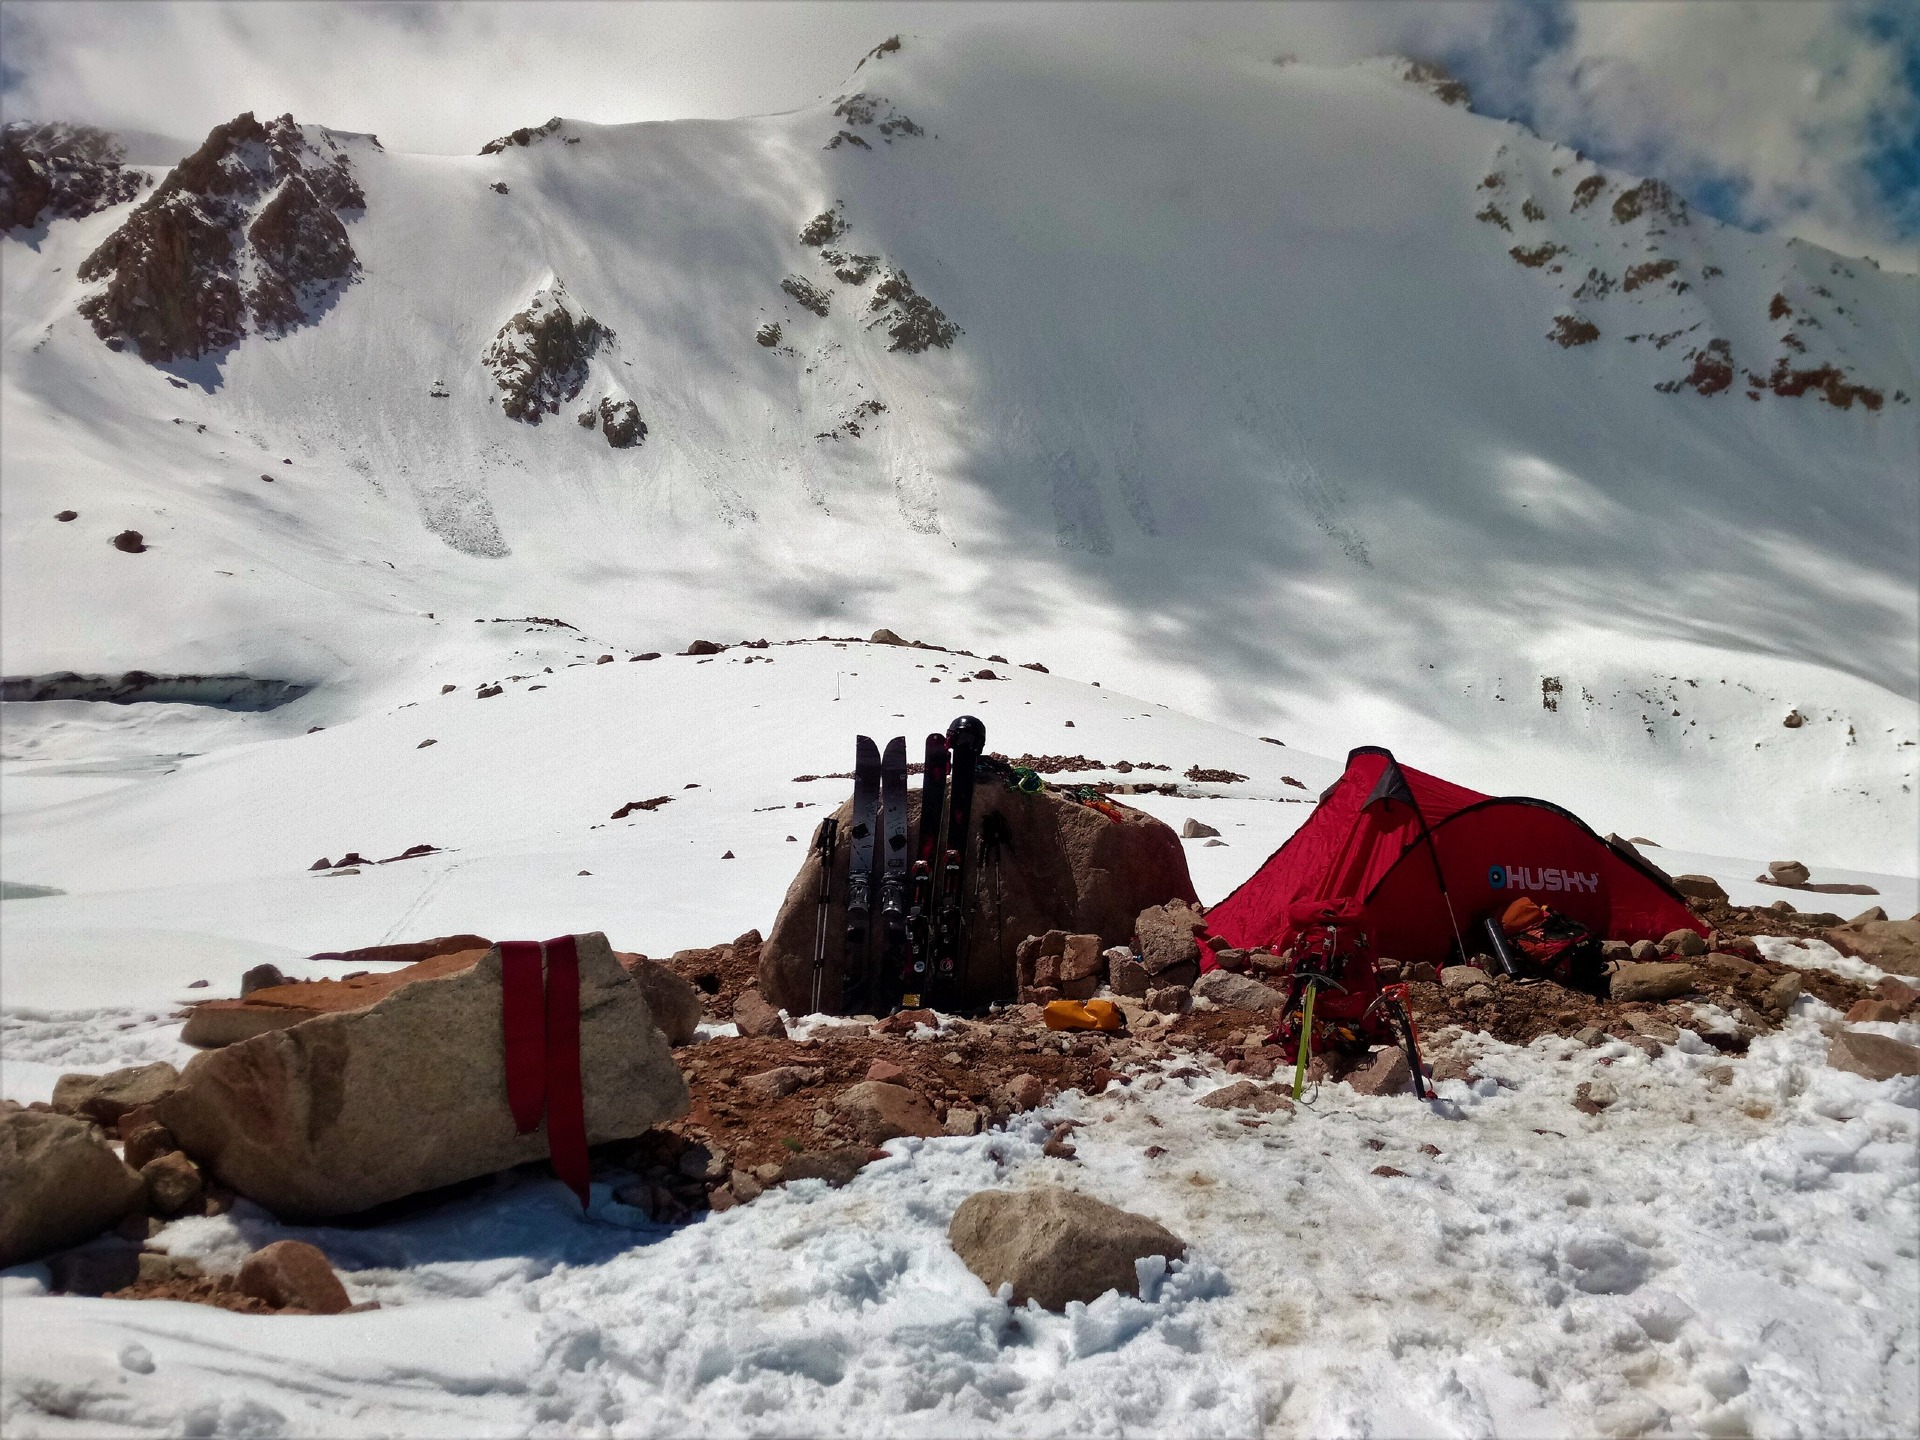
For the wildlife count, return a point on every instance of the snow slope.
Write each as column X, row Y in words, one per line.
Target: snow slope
column 1249, row 413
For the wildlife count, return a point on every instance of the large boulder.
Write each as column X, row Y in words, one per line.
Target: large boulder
column 1169, row 937
column 1055, row 1245
column 676, row 1004
column 60, row 1184
column 1878, row 1057
column 213, row 1023
column 103, row 1099
column 1064, row 866
column 345, row 1111
column 1893, row 945
column 1650, row 980
column 1237, row 992
column 878, row 1112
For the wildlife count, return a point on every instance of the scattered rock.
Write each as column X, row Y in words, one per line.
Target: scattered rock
column 1893, row 945
column 332, row 1115
column 131, row 541
column 1167, row 936
column 260, row 977
column 1644, row 951
column 66, row 515
column 173, row 1183
column 754, row 1016
column 539, row 358
column 1245, row 1095
column 1026, row 1092
column 1901, row 996
column 836, row 1167
column 1462, row 977
column 961, row 1121
column 1236, row 992
column 103, row 1099
column 1875, row 1056
column 60, row 1184
column 703, row 647
column 783, row 1080
column 1196, row 830
column 1054, row 1246
column 148, row 1142
column 1080, row 959
column 878, row 1112
column 1788, row 872
column 1874, row 912
column 674, row 1003
column 1867, row 1012
column 1386, row 1073
column 1784, row 991
column 1684, row 942
column 291, row 1274
column 1170, row 1000
column 884, row 636
column 885, row 1071
column 702, row 1162
column 97, row 1269
column 1699, row 887
column 1656, row 980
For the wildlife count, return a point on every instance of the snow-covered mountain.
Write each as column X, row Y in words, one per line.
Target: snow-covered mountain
column 1304, row 399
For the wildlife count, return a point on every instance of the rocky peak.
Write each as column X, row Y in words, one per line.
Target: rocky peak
column 61, row 172
column 246, row 229
column 526, row 135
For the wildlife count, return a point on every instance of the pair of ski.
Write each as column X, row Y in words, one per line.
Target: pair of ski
column 922, row 921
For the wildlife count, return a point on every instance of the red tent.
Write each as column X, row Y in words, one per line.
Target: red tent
column 1390, row 838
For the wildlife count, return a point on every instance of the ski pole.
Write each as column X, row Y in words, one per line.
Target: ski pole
column 823, row 844
column 1306, row 1043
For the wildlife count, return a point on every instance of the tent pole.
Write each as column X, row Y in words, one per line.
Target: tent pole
column 1439, row 876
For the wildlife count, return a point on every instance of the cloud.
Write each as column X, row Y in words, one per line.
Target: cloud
column 1797, row 117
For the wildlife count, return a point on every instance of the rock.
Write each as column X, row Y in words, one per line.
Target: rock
column 1733, row 967
column 1644, row 951
column 147, row 1143
column 1196, row 830
column 345, row 1111
column 836, row 1167
column 1870, row 914
column 1063, row 867
column 103, row 1099
column 1245, row 1095
column 701, row 1162
column 1054, row 1246
column 878, row 1112
column 1653, row 1028
column 1788, row 872
column 1893, row 945
column 291, row 1274
column 1875, row 1056
column 60, row 1184
column 1699, row 887
column 1080, row 959
column 885, row 1071
column 746, row 1186
column 1868, row 1012
column 1422, row 973
column 1794, row 720
column 1462, row 977
column 722, row 1199
column 1228, row 958
column 260, row 977
column 1901, row 996
column 1656, row 980
column 1167, row 936
column 58, row 170
column 1170, row 1000
column 158, row 1269
column 1784, row 991
column 1599, row 1095
column 1385, row 1073
column 1615, row 951
column 1025, row 1092
column 783, row 1080
column 95, row 1269
column 961, row 1121
column 1590, row 1035
column 884, row 636
column 1236, row 992
column 674, row 1003
column 1684, row 942
column 173, row 1183
column 1128, row 977
column 756, row 1017
column 214, row 1023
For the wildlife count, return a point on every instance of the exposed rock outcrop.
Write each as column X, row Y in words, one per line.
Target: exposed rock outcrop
column 526, row 135
column 914, row 322
column 539, row 358
column 245, row 232
column 55, row 171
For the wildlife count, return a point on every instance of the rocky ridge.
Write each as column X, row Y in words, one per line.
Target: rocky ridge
column 244, row 234
column 58, row 171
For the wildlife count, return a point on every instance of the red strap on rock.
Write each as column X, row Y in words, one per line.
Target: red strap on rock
column 566, row 1099
column 523, row 1022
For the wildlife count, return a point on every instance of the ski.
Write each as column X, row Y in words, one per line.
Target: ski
column 922, row 890
column 894, row 860
column 856, row 986
column 823, row 842
column 966, row 738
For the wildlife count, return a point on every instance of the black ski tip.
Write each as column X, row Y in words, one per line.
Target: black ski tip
column 967, row 733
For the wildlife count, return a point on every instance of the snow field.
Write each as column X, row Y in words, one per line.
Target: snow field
column 1708, row 1256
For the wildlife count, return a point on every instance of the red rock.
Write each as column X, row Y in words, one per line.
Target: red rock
column 755, row 1017
column 1869, row 1011
column 878, row 1112
column 291, row 1274
column 1026, row 1091
column 885, row 1070
column 1897, row 993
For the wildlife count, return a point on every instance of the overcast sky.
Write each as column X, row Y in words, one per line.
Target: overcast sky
column 1796, row 115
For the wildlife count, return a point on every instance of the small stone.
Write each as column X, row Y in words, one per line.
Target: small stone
column 1653, row 1028
column 1170, row 1000
column 1784, row 991
column 1684, row 942
column 1245, row 1095
column 1422, row 973
column 1126, row 975
column 961, row 1121
column 293, row 1274
column 1651, row 981
column 1080, row 957
column 1462, row 977
column 836, row 1167
column 699, row 1162
column 1646, row 1045
column 885, row 1071
column 755, row 1017
column 149, row 1142
column 1868, row 916
column 103, row 1099
column 1025, row 1091
column 173, row 1183
column 1237, row 992
column 1386, row 1073
column 878, row 1112
column 1615, row 952
column 1699, row 887
column 1213, row 844
column 1644, row 951
column 1897, row 993
column 1875, row 1056
column 1871, row 1011
column 1054, row 1245
column 884, row 636
column 1197, row 830
column 768, row 1175
column 1788, row 872
column 783, row 1080
column 721, row 1199
column 157, row 1268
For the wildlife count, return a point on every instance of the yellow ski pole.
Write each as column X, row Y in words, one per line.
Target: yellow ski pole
column 1306, row 1043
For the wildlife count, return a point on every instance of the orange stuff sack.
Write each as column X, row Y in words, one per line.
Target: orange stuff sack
column 1520, row 914
column 1083, row 1015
